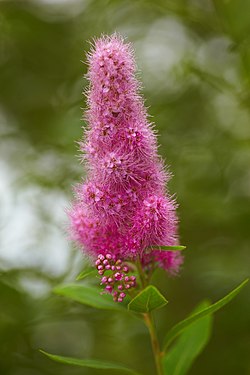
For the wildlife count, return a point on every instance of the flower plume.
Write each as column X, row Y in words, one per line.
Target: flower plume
column 122, row 208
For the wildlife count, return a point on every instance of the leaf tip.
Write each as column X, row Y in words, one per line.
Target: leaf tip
column 43, row 352
column 244, row 283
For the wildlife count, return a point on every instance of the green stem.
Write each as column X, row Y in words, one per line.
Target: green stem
column 141, row 273
column 148, row 318
column 154, row 342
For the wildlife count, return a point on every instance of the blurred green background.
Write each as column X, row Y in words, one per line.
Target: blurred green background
column 194, row 62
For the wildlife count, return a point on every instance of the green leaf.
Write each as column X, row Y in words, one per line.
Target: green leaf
column 179, row 327
column 85, row 273
column 90, row 363
column 169, row 248
column 147, row 300
column 89, row 295
column 190, row 344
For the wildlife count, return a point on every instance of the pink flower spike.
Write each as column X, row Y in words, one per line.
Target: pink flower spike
column 122, row 210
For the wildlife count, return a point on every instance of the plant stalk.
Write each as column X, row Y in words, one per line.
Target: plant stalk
column 141, row 274
column 154, row 342
column 149, row 321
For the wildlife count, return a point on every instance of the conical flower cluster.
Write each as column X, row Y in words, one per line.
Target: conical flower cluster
column 122, row 208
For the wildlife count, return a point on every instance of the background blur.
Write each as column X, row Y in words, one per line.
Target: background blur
column 194, row 62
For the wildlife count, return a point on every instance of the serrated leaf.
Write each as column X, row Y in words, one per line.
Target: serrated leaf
column 85, row 273
column 190, row 344
column 147, row 300
column 89, row 295
column 90, row 363
column 169, row 248
column 179, row 327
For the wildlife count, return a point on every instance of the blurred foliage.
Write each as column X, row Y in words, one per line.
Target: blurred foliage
column 194, row 61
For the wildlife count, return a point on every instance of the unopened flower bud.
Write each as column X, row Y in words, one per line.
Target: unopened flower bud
column 109, row 288
column 118, row 276
column 104, row 280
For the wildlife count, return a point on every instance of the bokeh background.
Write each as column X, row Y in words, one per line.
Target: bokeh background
column 194, row 62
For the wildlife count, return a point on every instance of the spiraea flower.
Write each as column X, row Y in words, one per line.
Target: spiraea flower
column 122, row 209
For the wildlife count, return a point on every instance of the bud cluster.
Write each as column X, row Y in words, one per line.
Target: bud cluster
column 116, row 280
